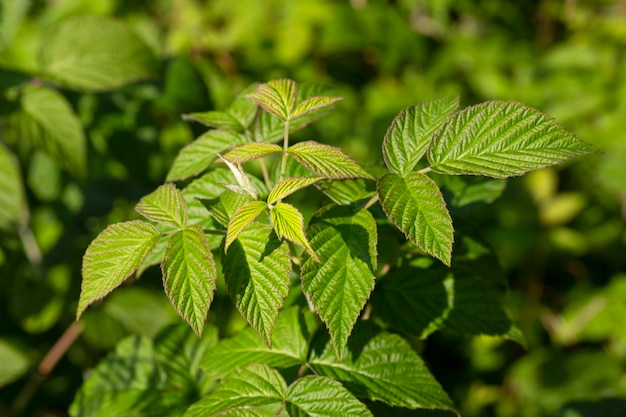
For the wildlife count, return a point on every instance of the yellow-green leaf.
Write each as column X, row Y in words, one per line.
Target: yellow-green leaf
column 289, row 224
column 241, row 219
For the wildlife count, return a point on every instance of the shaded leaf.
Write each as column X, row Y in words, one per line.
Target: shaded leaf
column 189, row 275
column 288, row 186
column 11, row 190
column 217, row 119
column 314, row 396
column 313, row 103
column 415, row 205
column 242, row 219
column 326, row 161
column 14, row 363
column 112, row 257
column 289, row 224
column 251, row 151
column 347, row 191
column 501, row 139
column 277, row 97
column 165, row 205
column 339, row 285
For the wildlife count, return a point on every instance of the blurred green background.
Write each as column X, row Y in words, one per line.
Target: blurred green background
column 559, row 232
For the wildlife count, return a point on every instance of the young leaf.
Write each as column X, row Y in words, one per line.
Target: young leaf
column 11, row 190
column 327, row 161
column 242, row 219
column 501, row 139
column 244, row 186
column 189, row 275
column 277, row 97
column 382, row 367
column 112, row 257
column 217, row 119
column 165, row 205
column 251, row 151
column 251, row 386
column 289, row 224
column 415, row 205
column 95, row 53
column 199, row 154
column 256, row 271
column 338, row 287
column 287, row 187
column 48, row 122
column 321, row 396
column 410, row 133
column 312, row 104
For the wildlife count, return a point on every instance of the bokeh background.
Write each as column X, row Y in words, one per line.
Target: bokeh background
column 559, row 232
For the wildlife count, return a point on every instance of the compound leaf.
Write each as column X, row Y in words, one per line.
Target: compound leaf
column 11, row 190
column 317, row 396
column 256, row 269
column 277, row 97
column 327, row 161
column 410, row 133
column 242, row 219
column 288, row 186
column 217, row 119
column 251, row 151
column 289, row 224
column 113, row 256
column 338, row 287
column 189, row 275
column 415, row 205
column 165, row 205
column 312, row 104
column 501, row 139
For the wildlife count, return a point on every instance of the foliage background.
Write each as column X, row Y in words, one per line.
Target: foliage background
column 559, row 232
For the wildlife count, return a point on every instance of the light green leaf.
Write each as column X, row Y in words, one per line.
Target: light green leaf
column 14, row 363
column 317, row 396
column 95, row 53
column 292, row 333
column 312, row 104
column 251, row 151
column 289, row 224
column 501, row 139
column 12, row 13
column 242, row 219
column 467, row 190
column 48, row 122
column 287, row 187
column 242, row 108
column 200, row 154
column 189, row 275
column 339, row 284
column 11, row 190
column 415, row 205
column 113, row 256
column 165, row 205
column 217, row 119
column 410, row 133
column 382, row 367
column 257, row 273
column 251, row 386
column 277, row 97
column 327, row 161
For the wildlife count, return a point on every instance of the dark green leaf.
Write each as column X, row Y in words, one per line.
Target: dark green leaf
column 316, row 396
column 11, row 190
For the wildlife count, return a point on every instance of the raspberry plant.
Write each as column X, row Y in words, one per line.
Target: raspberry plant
column 362, row 292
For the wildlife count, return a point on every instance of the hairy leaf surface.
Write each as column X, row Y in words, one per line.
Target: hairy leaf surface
column 165, row 205
column 251, row 151
column 338, row 287
column 415, row 205
column 501, row 139
column 277, row 97
column 317, row 396
column 289, row 224
column 288, row 186
column 313, row 103
column 327, row 161
column 242, row 219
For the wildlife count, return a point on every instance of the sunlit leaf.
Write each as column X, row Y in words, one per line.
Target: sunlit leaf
column 289, row 224
column 277, row 97
column 257, row 271
column 312, row 104
column 410, row 133
column 314, row 396
column 415, row 205
column 164, row 205
column 327, row 161
column 11, row 190
column 113, row 256
column 339, row 285
column 242, row 219
column 189, row 275
column 251, row 151
column 287, row 187
column 501, row 139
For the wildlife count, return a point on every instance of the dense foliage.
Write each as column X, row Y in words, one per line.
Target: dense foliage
column 340, row 300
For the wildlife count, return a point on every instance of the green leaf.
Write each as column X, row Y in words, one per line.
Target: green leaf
column 189, row 275
column 347, row 191
column 12, row 13
column 165, row 205
column 415, row 205
column 11, row 190
column 410, row 133
column 339, row 285
column 292, row 333
column 242, row 108
column 257, row 272
column 95, row 53
column 200, row 154
column 113, row 256
column 48, row 122
column 380, row 366
column 277, row 97
column 501, row 139
column 327, row 161
column 14, row 363
column 217, row 119
column 251, row 386
column 468, row 190
column 242, row 219
column 251, row 151
column 287, row 187
column 312, row 104
column 289, row 224
column 317, row 396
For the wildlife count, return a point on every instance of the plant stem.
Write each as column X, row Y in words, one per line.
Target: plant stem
column 283, row 165
column 214, row 232
column 371, row 201
column 425, row 170
column 266, row 175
